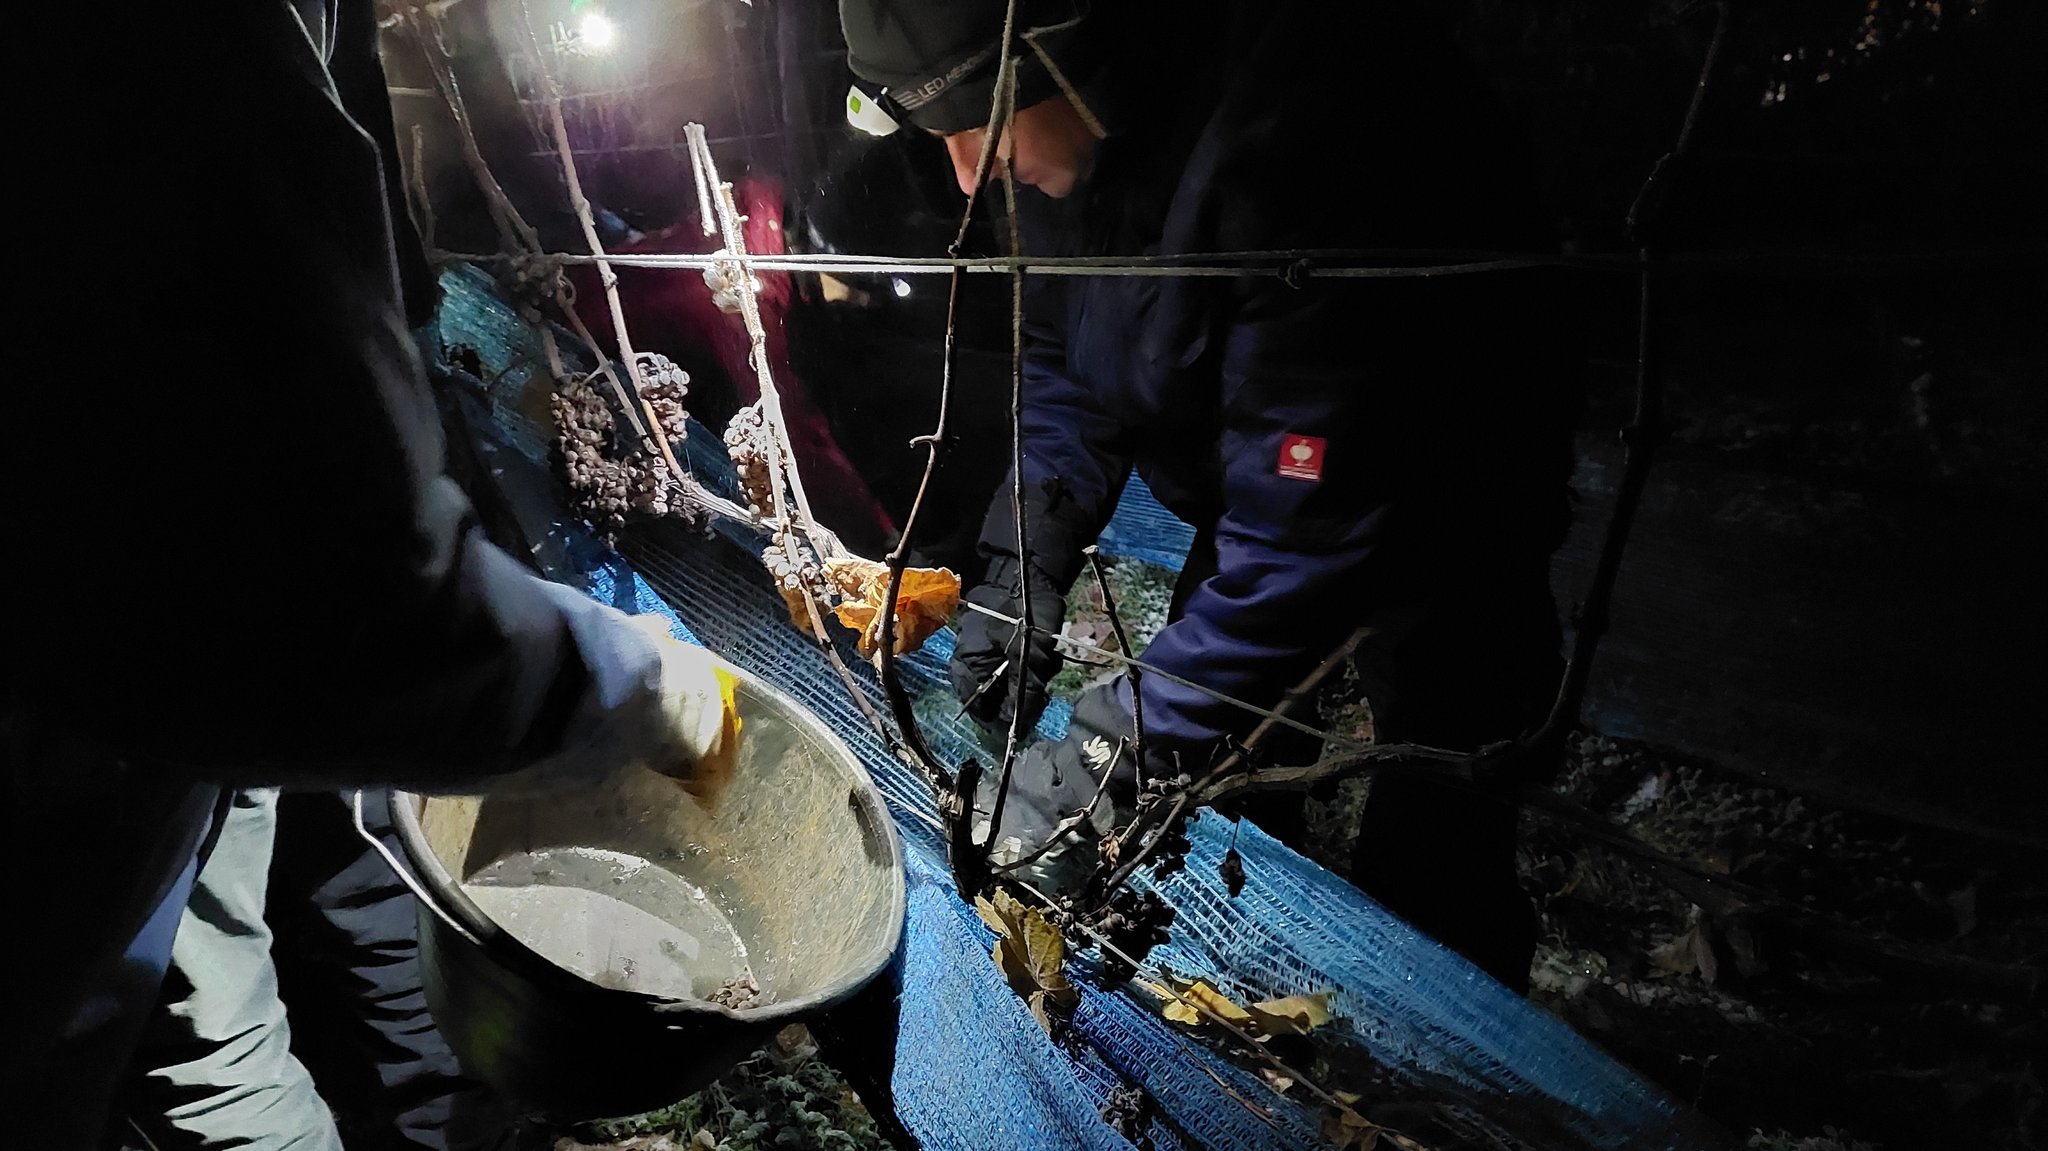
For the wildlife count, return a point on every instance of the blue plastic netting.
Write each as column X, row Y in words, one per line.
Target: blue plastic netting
column 972, row 1068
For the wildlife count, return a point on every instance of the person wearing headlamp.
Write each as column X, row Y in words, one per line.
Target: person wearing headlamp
column 1389, row 453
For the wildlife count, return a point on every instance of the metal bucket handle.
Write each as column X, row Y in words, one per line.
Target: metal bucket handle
column 405, row 875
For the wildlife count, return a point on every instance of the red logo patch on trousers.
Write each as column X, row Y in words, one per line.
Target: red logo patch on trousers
column 1301, row 457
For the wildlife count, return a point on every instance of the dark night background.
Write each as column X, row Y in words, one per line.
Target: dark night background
column 1836, row 584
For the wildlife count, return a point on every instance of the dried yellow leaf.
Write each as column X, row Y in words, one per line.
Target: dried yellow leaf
column 925, row 600
column 1037, row 1004
column 1196, row 1002
column 1688, row 953
column 1015, row 965
column 1294, row 1015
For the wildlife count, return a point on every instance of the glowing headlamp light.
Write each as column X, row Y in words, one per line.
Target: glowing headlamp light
column 875, row 115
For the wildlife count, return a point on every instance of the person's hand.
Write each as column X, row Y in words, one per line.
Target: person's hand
column 698, row 734
column 987, row 658
column 1053, row 786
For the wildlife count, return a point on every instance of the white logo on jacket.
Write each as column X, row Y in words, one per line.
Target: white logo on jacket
column 1099, row 752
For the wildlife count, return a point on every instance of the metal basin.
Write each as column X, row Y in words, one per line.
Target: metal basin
column 608, row 950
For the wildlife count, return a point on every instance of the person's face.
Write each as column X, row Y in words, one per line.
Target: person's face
column 1048, row 146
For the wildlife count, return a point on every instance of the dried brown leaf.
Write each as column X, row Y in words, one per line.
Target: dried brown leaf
column 925, row 600
column 1014, row 964
column 1047, row 950
column 1232, row 872
column 1347, row 1130
column 1171, row 1004
column 990, row 915
column 1030, row 952
column 795, row 1043
column 1197, row 1002
column 1688, row 954
column 1742, row 945
column 1036, row 1001
column 799, row 610
column 1962, row 902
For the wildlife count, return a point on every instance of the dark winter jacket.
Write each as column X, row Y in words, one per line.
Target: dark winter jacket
column 1348, row 444
column 244, row 562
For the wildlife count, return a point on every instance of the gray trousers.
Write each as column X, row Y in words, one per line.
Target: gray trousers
column 215, row 1066
column 292, row 909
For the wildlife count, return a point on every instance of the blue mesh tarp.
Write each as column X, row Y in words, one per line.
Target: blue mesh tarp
column 1141, row 529
column 972, row 1069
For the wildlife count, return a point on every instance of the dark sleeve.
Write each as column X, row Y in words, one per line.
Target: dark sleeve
column 256, row 569
column 1433, row 401
column 1293, row 553
column 1076, row 455
column 360, row 82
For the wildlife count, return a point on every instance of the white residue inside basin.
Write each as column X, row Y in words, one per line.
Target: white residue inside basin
column 615, row 919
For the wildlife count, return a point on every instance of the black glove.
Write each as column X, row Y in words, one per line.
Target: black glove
column 1057, row 535
column 1054, row 781
column 985, row 645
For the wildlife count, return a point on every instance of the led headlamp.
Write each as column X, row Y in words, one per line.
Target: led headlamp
column 875, row 115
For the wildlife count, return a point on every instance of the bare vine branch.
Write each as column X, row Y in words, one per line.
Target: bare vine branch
column 782, row 463
column 1119, row 659
column 517, row 235
column 1123, row 640
column 551, row 99
column 522, row 244
column 1646, row 428
column 956, row 796
column 1020, row 682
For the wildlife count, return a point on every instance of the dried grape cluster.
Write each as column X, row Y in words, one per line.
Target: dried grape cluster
column 788, row 556
column 747, row 442
column 1129, row 1111
column 531, row 284
column 794, row 565
column 664, row 386
column 1134, row 923
column 609, row 485
column 1171, row 852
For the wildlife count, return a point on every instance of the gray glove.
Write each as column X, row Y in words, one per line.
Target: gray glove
column 1054, row 781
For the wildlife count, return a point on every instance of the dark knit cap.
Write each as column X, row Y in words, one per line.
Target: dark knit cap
column 936, row 60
